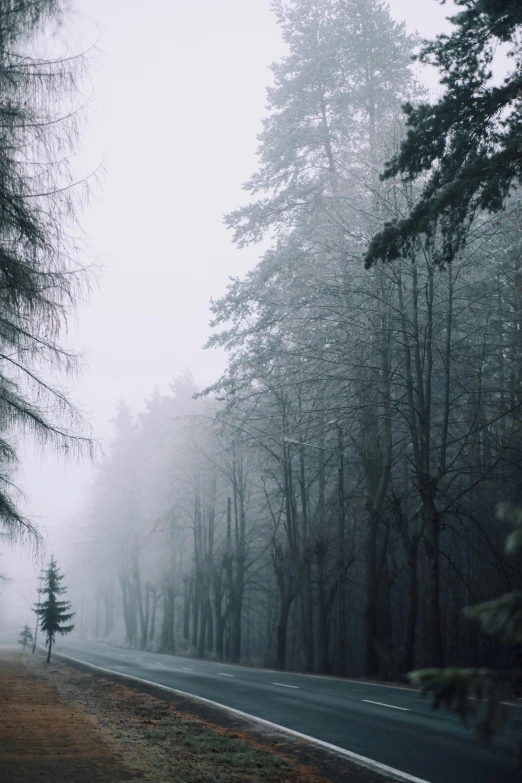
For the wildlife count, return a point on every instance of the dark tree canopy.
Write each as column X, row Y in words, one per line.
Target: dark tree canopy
column 465, row 148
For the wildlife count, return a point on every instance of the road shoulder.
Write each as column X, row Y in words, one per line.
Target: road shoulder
column 153, row 723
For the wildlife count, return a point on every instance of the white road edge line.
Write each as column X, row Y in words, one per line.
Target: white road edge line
column 282, row 685
column 382, row 704
column 362, row 761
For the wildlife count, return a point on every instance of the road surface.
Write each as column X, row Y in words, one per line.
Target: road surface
column 394, row 726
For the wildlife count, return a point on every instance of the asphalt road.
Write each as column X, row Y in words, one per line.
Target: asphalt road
column 390, row 725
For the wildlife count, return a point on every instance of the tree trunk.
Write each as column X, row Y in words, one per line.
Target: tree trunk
column 187, row 594
column 308, row 609
column 431, row 544
column 97, row 616
column 128, row 613
column 408, row 662
column 235, row 629
column 108, row 603
column 282, row 627
column 153, row 613
column 371, row 662
column 220, row 636
column 325, row 602
column 167, row 630
column 210, row 627
column 218, row 608
column 387, row 667
column 202, row 629
column 324, row 640
column 145, row 623
column 195, row 614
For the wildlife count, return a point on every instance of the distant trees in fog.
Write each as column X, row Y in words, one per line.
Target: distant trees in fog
column 26, row 637
column 329, row 503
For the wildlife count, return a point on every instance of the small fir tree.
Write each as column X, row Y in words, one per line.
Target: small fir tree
column 26, row 637
column 53, row 613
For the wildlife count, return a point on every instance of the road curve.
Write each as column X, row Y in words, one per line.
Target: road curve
column 393, row 726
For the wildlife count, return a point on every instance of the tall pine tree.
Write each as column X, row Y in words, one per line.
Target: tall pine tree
column 348, row 63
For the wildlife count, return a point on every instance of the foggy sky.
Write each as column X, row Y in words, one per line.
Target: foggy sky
column 179, row 94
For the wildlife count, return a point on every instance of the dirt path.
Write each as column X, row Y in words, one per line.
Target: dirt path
column 44, row 738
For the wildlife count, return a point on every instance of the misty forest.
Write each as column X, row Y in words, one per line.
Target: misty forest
column 329, row 504
column 345, row 497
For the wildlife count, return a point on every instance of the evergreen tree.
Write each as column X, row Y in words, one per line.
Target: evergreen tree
column 26, row 637
column 468, row 141
column 39, row 280
column 52, row 612
column 327, row 94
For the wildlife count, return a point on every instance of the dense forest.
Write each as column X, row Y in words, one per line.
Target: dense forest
column 329, row 503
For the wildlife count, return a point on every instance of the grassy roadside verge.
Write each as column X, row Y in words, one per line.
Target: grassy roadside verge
column 170, row 742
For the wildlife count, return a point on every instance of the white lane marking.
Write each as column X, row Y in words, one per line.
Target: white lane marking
column 186, row 668
column 381, row 704
column 282, row 684
column 258, row 669
column 302, row 674
column 362, row 761
column 222, row 674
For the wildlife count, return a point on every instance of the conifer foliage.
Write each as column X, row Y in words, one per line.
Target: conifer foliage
column 53, row 613
column 40, row 278
column 26, row 637
column 465, row 147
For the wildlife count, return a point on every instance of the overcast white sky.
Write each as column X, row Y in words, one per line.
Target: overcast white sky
column 179, row 97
